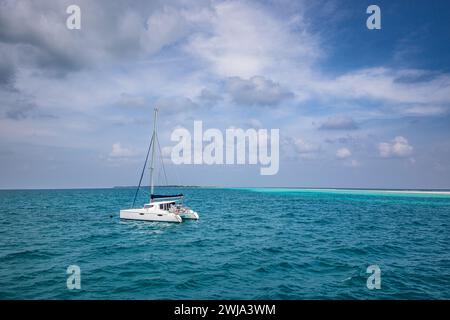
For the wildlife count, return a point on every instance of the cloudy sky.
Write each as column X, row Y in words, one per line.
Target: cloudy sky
column 355, row 107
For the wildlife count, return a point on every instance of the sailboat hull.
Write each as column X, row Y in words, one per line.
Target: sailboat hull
column 145, row 215
column 190, row 215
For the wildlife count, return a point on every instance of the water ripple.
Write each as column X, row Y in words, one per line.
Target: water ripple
column 248, row 244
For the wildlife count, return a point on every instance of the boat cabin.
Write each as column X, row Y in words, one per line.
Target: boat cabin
column 161, row 205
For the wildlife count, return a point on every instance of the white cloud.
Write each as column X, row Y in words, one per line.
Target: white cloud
column 305, row 150
column 244, row 40
column 388, row 85
column 343, row 153
column 118, row 151
column 298, row 148
column 305, row 147
column 423, row 110
column 164, row 27
column 398, row 147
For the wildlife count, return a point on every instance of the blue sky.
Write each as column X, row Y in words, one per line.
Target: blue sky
column 355, row 107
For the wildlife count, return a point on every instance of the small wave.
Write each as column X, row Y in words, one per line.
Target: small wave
column 27, row 254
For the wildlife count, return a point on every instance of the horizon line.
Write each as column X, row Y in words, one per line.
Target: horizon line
column 232, row 187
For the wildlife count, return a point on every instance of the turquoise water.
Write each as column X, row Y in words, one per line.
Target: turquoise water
column 248, row 244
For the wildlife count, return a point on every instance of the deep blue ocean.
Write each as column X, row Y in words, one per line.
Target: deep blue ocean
column 248, row 244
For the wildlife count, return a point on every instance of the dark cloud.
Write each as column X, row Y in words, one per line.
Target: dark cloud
column 339, row 123
column 7, row 73
column 111, row 32
column 256, row 91
column 16, row 106
column 21, row 110
column 209, row 98
column 340, row 140
column 7, row 69
column 36, row 34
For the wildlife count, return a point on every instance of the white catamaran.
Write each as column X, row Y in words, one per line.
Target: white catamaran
column 165, row 208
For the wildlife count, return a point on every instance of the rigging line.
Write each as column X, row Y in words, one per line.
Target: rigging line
column 143, row 170
column 165, row 182
column 162, row 160
column 177, row 176
column 159, row 183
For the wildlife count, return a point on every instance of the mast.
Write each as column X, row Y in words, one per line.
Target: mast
column 154, row 137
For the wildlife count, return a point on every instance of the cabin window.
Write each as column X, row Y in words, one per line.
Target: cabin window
column 161, row 206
